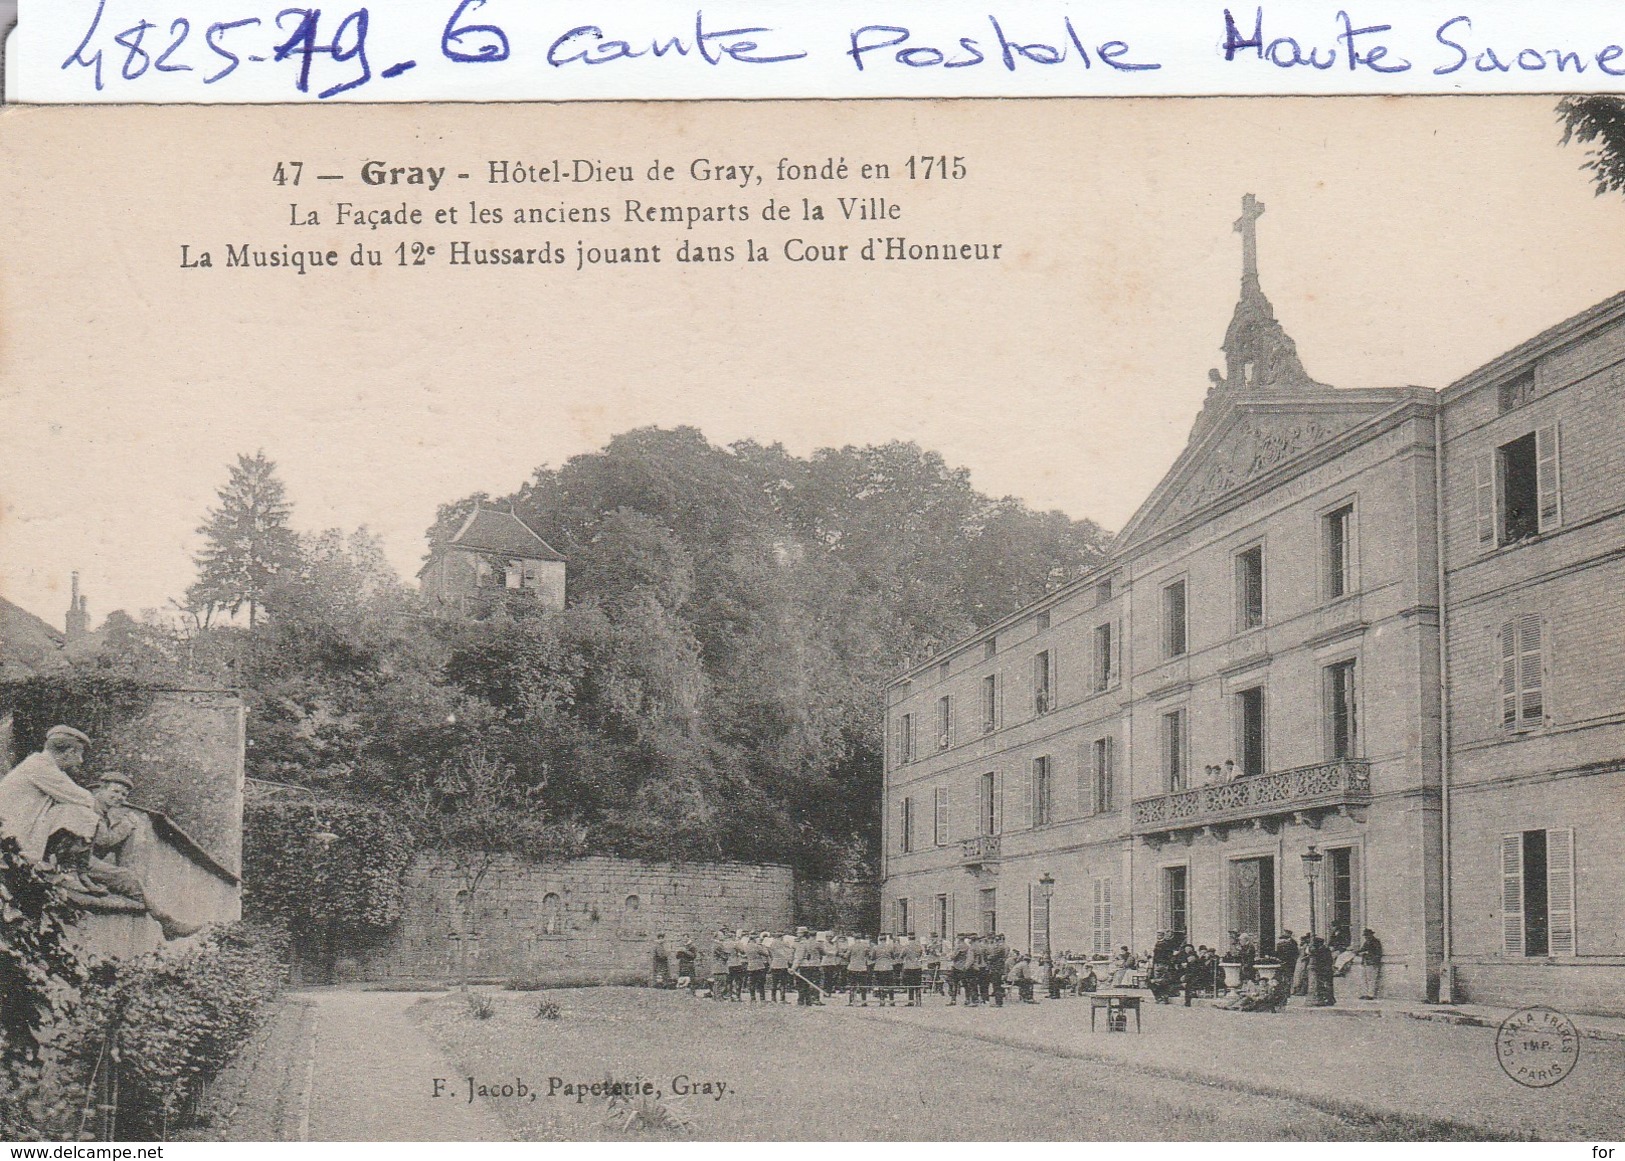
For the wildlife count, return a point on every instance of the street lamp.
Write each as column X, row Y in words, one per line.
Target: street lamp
column 1046, row 885
column 1311, row 873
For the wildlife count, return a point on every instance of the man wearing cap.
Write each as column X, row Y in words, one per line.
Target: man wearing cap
column 757, row 958
column 781, row 951
column 807, row 966
column 112, row 850
column 39, row 802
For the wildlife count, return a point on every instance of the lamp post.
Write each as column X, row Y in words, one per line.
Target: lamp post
column 1046, row 886
column 1311, row 874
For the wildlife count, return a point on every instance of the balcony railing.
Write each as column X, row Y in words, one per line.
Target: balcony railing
column 979, row 851
column 1306, row 792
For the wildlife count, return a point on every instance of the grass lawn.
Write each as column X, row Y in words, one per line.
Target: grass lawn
column 814, row 1074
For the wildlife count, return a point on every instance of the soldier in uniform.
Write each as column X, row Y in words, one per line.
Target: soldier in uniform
column 913, row 961
column 719, row 966
column 859, row 955
column 736, row 967
column 757, row 958
column 834, row 960
column 781, row 950
column 806, row 966
column 884, row 966
column 997, row 961
column 962, row 973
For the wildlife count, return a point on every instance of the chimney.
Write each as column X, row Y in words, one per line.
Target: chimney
column 78, row 613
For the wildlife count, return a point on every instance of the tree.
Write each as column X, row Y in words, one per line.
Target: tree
column 1599, row 119
column 248, row 541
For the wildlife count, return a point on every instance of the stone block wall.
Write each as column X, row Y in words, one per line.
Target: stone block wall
column 588, row 919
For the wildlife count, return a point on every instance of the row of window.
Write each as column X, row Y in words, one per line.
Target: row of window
column 1096, row 795
column 944, row 916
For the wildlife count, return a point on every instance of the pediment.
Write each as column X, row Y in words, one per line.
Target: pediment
column 1248, row 441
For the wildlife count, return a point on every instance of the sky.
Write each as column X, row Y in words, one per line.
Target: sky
column 1405, row 241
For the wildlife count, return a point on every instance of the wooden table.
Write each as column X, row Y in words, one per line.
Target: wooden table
column 1115, row 1003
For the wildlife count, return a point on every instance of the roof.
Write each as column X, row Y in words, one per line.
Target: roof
column 504, row 533
column 1574, row 327
column 25, row 640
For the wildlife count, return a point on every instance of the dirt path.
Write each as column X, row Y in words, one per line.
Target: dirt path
column 371, row 1073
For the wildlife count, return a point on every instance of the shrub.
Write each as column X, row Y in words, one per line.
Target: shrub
column 548, row 1010
column 176, row 1020
column 481, row 1006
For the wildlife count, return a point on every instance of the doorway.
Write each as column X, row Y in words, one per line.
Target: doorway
column 1252, row 899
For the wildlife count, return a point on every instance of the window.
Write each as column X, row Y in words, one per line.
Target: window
column 990, row 703
column 990, row 648
column 990, row 910
column 945, row 722
column 905, row 827
column 905, row 740
column 1523, row 704
column 1101, row 773
column 987, row 813
column 900, row 914
column 513, row 575
column 1537, row 893
column 1342, row 718
column 1516, row 391
column 1342, row 885
column 942, row 671
column 1043, row 621
column 1104, row 665
column 1173, row 620
column 1338, row 527
column 1519, row 488
column 1250, row 588
column 1043, row 798
column 1250, row 729
column 1173, row 749
column 939, row 817
column 1175, row 899
column 944, row 917
column 1043, row 700
column 1101, row 924
column 631, row 903
column 1103, row 591
column 484, row 574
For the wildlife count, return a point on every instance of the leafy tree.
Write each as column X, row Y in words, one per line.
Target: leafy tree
column 38, row 968
column 1599, row 119
column 248, row 541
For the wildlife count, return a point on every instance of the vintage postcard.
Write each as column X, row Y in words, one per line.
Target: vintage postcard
column 1061, row 619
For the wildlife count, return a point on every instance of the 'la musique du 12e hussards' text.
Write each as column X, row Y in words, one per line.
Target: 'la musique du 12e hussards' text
column 412, row 214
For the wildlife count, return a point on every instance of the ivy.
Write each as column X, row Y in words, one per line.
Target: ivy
column 38, row 969
column 96, row 703
column 330, row 870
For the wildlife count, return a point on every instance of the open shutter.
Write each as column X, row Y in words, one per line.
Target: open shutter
column 1106, row 926
column 998, row 802
column 1548, row 478
column 1108, row 782
column 951, row 722
column 953, row 921
column 1086, row 779
column 939, row 816
column 1484, row 495
column 1356, row 897
column 1560, row 892
column 1531, row 686
column 1095, row 921
column 1512, row 895
column 1509, row 675
column 1118, row 644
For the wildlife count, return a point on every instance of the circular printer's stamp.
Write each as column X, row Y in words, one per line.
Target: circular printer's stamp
column 1537, row 1047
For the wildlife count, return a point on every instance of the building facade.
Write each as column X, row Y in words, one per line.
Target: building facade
column 1248, row 718
column 492, row 559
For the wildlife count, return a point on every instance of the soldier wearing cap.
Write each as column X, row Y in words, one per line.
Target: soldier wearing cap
column 781, row 951
column 113, row 850
column 757, row 958
column 47, row 812
column 806, row 965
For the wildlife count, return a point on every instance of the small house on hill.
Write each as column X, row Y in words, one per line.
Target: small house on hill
column 494, row 556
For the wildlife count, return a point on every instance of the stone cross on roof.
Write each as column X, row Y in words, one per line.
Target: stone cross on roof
column 1247, row 226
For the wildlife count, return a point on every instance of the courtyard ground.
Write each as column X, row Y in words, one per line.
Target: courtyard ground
column 350, row 1064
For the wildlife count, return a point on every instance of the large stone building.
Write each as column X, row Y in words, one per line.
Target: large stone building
column 1252, row 716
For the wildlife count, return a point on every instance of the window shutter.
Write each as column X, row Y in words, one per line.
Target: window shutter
column 1117, row 651
column 1484, row 494
column 1356, row 896
column 1548, row 478
column 951, row 722
column 998, row 802
column 939, row 816
column 1097, row 923
column 1106, row 926
column 998, row 700
column 1531, row 700
column 1512, row 895
column 1108, row 791
column 907, row 825
column 953, row 924
column 1509, row 675
column 1088, row 779
column 1560, row 892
